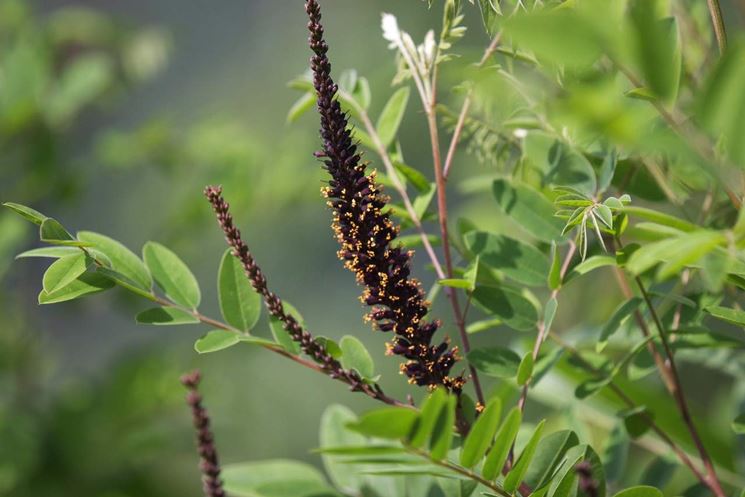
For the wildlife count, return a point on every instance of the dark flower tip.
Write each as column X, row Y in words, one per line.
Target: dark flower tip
column 274, row 305
column 209, row 464
column 366, row 235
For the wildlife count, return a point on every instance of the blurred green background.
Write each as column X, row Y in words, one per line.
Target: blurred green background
column 113, row 117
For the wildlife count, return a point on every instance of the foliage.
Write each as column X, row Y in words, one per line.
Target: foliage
column 612, row 152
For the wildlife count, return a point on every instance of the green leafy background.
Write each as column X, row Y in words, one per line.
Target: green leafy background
column 113, row 120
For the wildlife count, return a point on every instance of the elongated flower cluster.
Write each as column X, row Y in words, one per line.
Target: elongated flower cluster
column 366, row 235
column 274, row 305
column 209, row 463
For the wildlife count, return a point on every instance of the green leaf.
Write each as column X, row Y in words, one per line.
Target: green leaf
column 516, row 475
column 734, row 316
column 51, row 231
column 618, row 317
column 568, row 167
column 640, row 491
column 456, row 283
column 517, row 260
column 482, row 432
column 616, row 454
column 525, row 369
column 216, row 340
column 483, row 325
column 53, row 252
column 389, row 422
column 528, row 209
column 413, row 176
column 544, row 364
column 281, row 336
column 558, row 36
column 301, row 106
column 738, row 424
column 126, row 283
column 590, row 264
column 548, row 456
column 275, row 478
column 240, row 304
column 64, row 271
column 362, row 93
column 721, row 106
column 550, row 312
column 658, row 472
column 172, row 275
column 657, row 51
column 334, row 434
column 86, row 284
column 675, row 253
column 122, row 259
column 499, row 362
column 636, row 420
column 490, row 13
column 430, row 412
column 83, row 79
column 165, row 316
column 28, row 213
column 511, row 307
column 641, row 93
column 502, row 443
column 660, row 218
column 554, row 273
column 421, row 202
column 355, row 356
column 442, row 434
column 392, row 115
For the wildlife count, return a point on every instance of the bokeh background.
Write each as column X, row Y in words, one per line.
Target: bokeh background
column 113, row 117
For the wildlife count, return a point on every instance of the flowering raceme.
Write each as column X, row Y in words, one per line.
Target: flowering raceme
column 367, row 235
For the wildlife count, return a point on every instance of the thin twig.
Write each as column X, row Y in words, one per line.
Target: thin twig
column 711, row 478
column 442, row 210
column 460, row 470
column 376, row 393
column 698, row 141
column 717, row 21
column 669, row 374
column 393, row 175
column 543, row 330
column 682, row 455
column 466, row 106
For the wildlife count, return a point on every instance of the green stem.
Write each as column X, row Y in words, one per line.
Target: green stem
column 460, row 470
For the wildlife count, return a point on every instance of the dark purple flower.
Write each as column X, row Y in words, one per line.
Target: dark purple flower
column 209, row 463
column 366, row 234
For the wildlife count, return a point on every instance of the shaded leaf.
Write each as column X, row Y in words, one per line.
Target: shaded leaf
column 517, row 260
column 165, row 316
column 511, row 307
column 495, row 361
column 529, row 209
